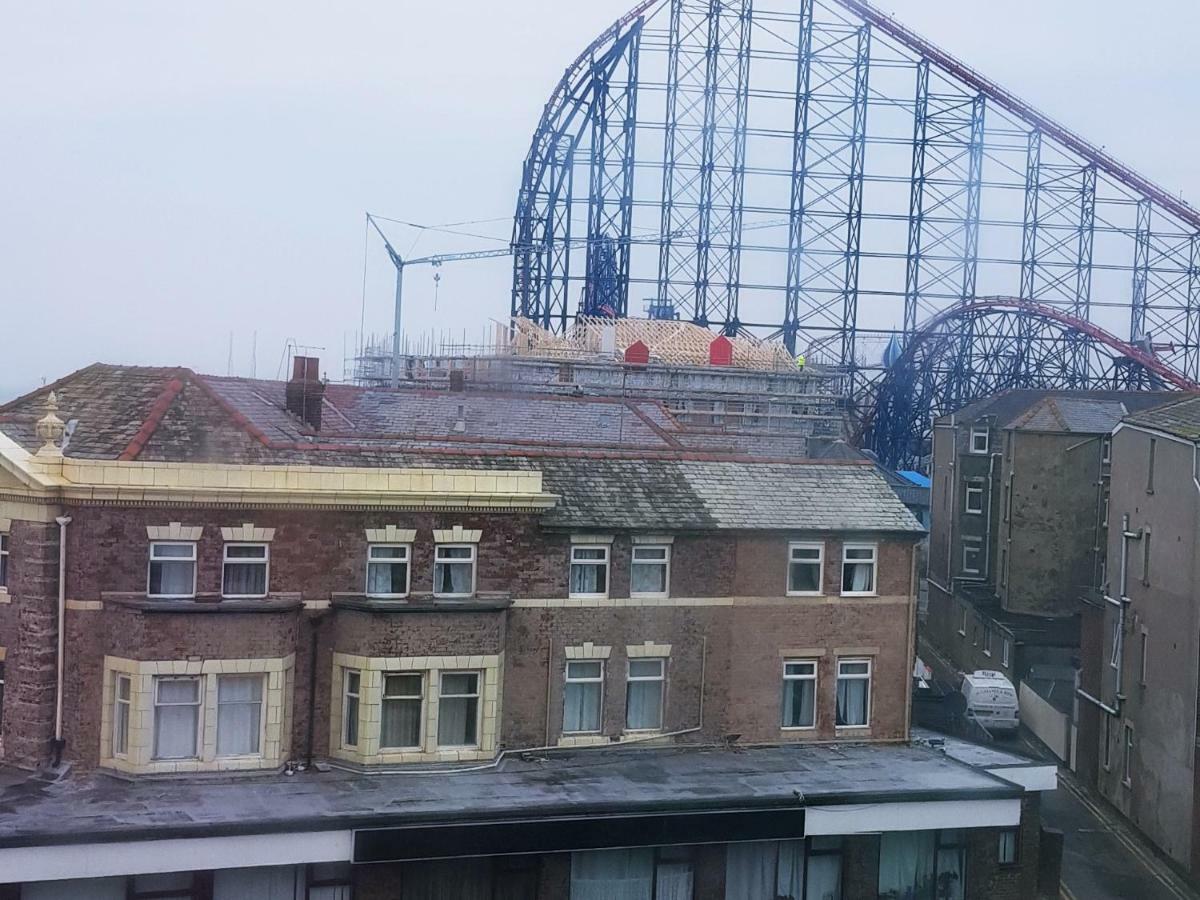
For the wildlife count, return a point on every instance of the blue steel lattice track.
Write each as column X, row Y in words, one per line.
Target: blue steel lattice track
column 813, row 171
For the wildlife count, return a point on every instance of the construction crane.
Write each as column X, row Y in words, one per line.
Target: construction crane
column 437, row 259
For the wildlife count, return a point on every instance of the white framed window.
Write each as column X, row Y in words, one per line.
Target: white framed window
column 987, row 640
column 1106, row 449
column 387, row 570
column 1106, row 742
column 973, row 499
column 239, row 715
column 1127, row 761
column 3, row 559
column 351, row 697
column 858, row 569
column 122, row 699
column 1114, row 659
column 176, row 717
column 172, row 570
column 962, row 621
column 972, row 559
column 458, row 709
column 644, row 694
column 589, row 570
column 853, row 693
column 979, row 440
column 583, row 696
column 1104, row 510
column 245, row 570
column 799, row 693
column 403, row 710
column 1007, row 851
column 454, row 570
column 1004, row 651
column 650, row 570
column 806, row 563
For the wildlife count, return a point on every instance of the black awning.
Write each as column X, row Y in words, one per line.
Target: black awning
column 550, row 835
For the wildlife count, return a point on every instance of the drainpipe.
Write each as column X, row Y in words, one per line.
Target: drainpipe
column 314, row 635
column 59, row 743
column 1121, row 602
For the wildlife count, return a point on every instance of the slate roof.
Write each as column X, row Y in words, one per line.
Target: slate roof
column 1182, row 417
column 626, row 780
column 614, row 464
column 1084, row 412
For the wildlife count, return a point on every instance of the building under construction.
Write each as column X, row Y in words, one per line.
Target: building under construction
column 730, row 383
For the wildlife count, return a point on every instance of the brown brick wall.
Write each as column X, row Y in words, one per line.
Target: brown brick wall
column 29, row 634
column 316, row 554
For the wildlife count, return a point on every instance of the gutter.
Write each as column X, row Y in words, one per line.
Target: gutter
column 58, row 744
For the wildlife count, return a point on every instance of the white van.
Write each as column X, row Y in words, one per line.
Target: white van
column 991, row 700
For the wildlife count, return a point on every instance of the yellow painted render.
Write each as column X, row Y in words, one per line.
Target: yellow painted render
column 26, row 477
column 274, row 741
column 370, row 706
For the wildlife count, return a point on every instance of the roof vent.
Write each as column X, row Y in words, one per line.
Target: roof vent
column 306, row 392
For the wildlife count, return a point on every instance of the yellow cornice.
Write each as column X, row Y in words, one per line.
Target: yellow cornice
column 137, row 482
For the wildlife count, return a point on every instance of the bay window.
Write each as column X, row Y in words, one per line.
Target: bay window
column 239, row 715
column 583, row 696
column 853, row 693
column 858, row 569
column 650, row 571
column 176, row 717
column 172, row 569
column 589, row 570
column 245, row 570
column 458, row 709
column 400, row 726
column 454, row 570
column 351, row 694
column 644, row 694
column 122, row 697
column 387, row 570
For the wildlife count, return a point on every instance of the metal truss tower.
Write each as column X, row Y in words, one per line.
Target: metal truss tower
column 812, row 170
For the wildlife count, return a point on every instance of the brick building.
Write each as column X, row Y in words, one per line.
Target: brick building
column 291, row 640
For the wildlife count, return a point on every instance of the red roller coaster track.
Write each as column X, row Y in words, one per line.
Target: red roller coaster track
column 1148, row 361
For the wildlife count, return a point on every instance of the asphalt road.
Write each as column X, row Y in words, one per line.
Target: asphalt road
column 1103, row 857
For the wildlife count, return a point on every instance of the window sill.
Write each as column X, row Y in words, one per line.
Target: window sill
column 583, row 740
column 859, row 594
column 792, row 729
column 806, row 593
column 5, row 596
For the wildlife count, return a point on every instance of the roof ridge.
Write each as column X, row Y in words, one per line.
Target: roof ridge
column 158, row 409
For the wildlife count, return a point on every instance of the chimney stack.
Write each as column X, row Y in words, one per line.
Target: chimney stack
column 305, row 392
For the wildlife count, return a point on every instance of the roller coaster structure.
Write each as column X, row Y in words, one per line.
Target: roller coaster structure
column 813, row 170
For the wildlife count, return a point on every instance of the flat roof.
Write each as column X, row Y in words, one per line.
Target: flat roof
column 99, row 807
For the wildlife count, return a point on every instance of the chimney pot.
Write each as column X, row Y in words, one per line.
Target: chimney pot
column 306, row 392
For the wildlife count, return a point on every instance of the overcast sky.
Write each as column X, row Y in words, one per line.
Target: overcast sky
column 173, row 172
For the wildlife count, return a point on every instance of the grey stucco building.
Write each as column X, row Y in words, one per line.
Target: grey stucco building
column 1018, row 530
column 1141, row 656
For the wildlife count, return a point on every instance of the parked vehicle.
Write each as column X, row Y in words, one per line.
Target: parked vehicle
column 991, row 700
